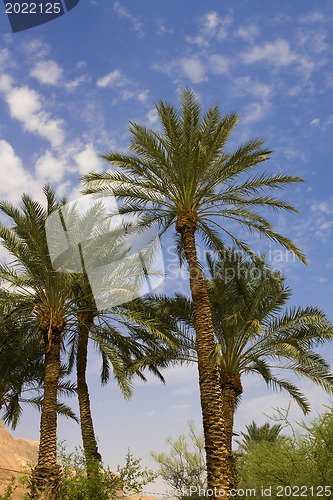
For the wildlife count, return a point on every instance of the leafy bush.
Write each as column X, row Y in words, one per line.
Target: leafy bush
column 300, row 465
column 100, row 483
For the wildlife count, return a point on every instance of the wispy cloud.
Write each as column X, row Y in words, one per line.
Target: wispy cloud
column 123, row 13
column 276, row 53
column 279, row 54
column 312, row 17
column 262, row 92
column 248, row 33
column 113, row 79
column 35, row 49
column 211, row 26
column 218, row 64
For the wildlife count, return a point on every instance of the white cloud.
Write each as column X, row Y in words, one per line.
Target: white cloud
column 15, row 179
column 150, row 413
column 325, row 206
column 211, row 26
column 76, row 82
column 36, row 49
column 315, row 122
column 25, row 105
column 113, row 79
column 248, row 33
column 253, row 112
column 214, row 25
column 210, row 22
column 88, row 160
column 192, row 68
column 312, row 17
column 152, row 116
column 6, row 59
column 199, row 40
column 48, row 72
column 143, row 96
column 218, row 64
column 326, row 225
column 314, row 40
column 178, row 407
column 6, row 83
column 262, row 92
column 49, row 168
column 277, row 53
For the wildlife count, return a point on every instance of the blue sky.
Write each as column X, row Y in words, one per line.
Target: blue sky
column 67, row 91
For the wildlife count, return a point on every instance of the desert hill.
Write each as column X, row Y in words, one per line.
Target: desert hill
column 14, row 453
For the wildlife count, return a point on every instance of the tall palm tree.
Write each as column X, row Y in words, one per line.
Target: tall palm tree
column 185, row 178
column 34, row 288
column 252, row 332
column 129, row 339
column 128, row 336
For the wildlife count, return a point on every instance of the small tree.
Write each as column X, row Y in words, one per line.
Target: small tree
column 184, row 466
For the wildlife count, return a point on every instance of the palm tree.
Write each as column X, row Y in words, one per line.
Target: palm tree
column 252, row 333
column 129, row 339
column 257, row 433
column 36, row 289
column 22, row 369
column 185, row 177
column 128, row 336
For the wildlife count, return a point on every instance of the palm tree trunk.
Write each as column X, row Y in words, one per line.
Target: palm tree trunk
column 209, row 383
column 87, row 427
column 46, row 477
column 230, row 391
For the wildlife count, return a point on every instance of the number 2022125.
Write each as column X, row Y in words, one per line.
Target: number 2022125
column 33, row 8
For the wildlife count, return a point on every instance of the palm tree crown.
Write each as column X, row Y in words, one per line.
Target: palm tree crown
column 253, row 332
column 186, row 173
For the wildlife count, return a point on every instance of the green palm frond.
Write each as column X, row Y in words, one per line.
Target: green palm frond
column 186, row 168
column 254, row 333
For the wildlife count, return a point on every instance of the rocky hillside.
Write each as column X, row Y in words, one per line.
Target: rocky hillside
column 14, row 453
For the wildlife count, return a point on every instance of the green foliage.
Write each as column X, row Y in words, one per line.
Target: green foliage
column 256, row 434
column 101, row 483
column 133, row 477
column 253, row 331
column 303, row 460
column 184, row 466
column 188, row 169
column 9, row 490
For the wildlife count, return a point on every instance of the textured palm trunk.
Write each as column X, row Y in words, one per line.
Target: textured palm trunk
column 46, row 477
column 87, row 427
column 230, row 390
column 209, row 383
